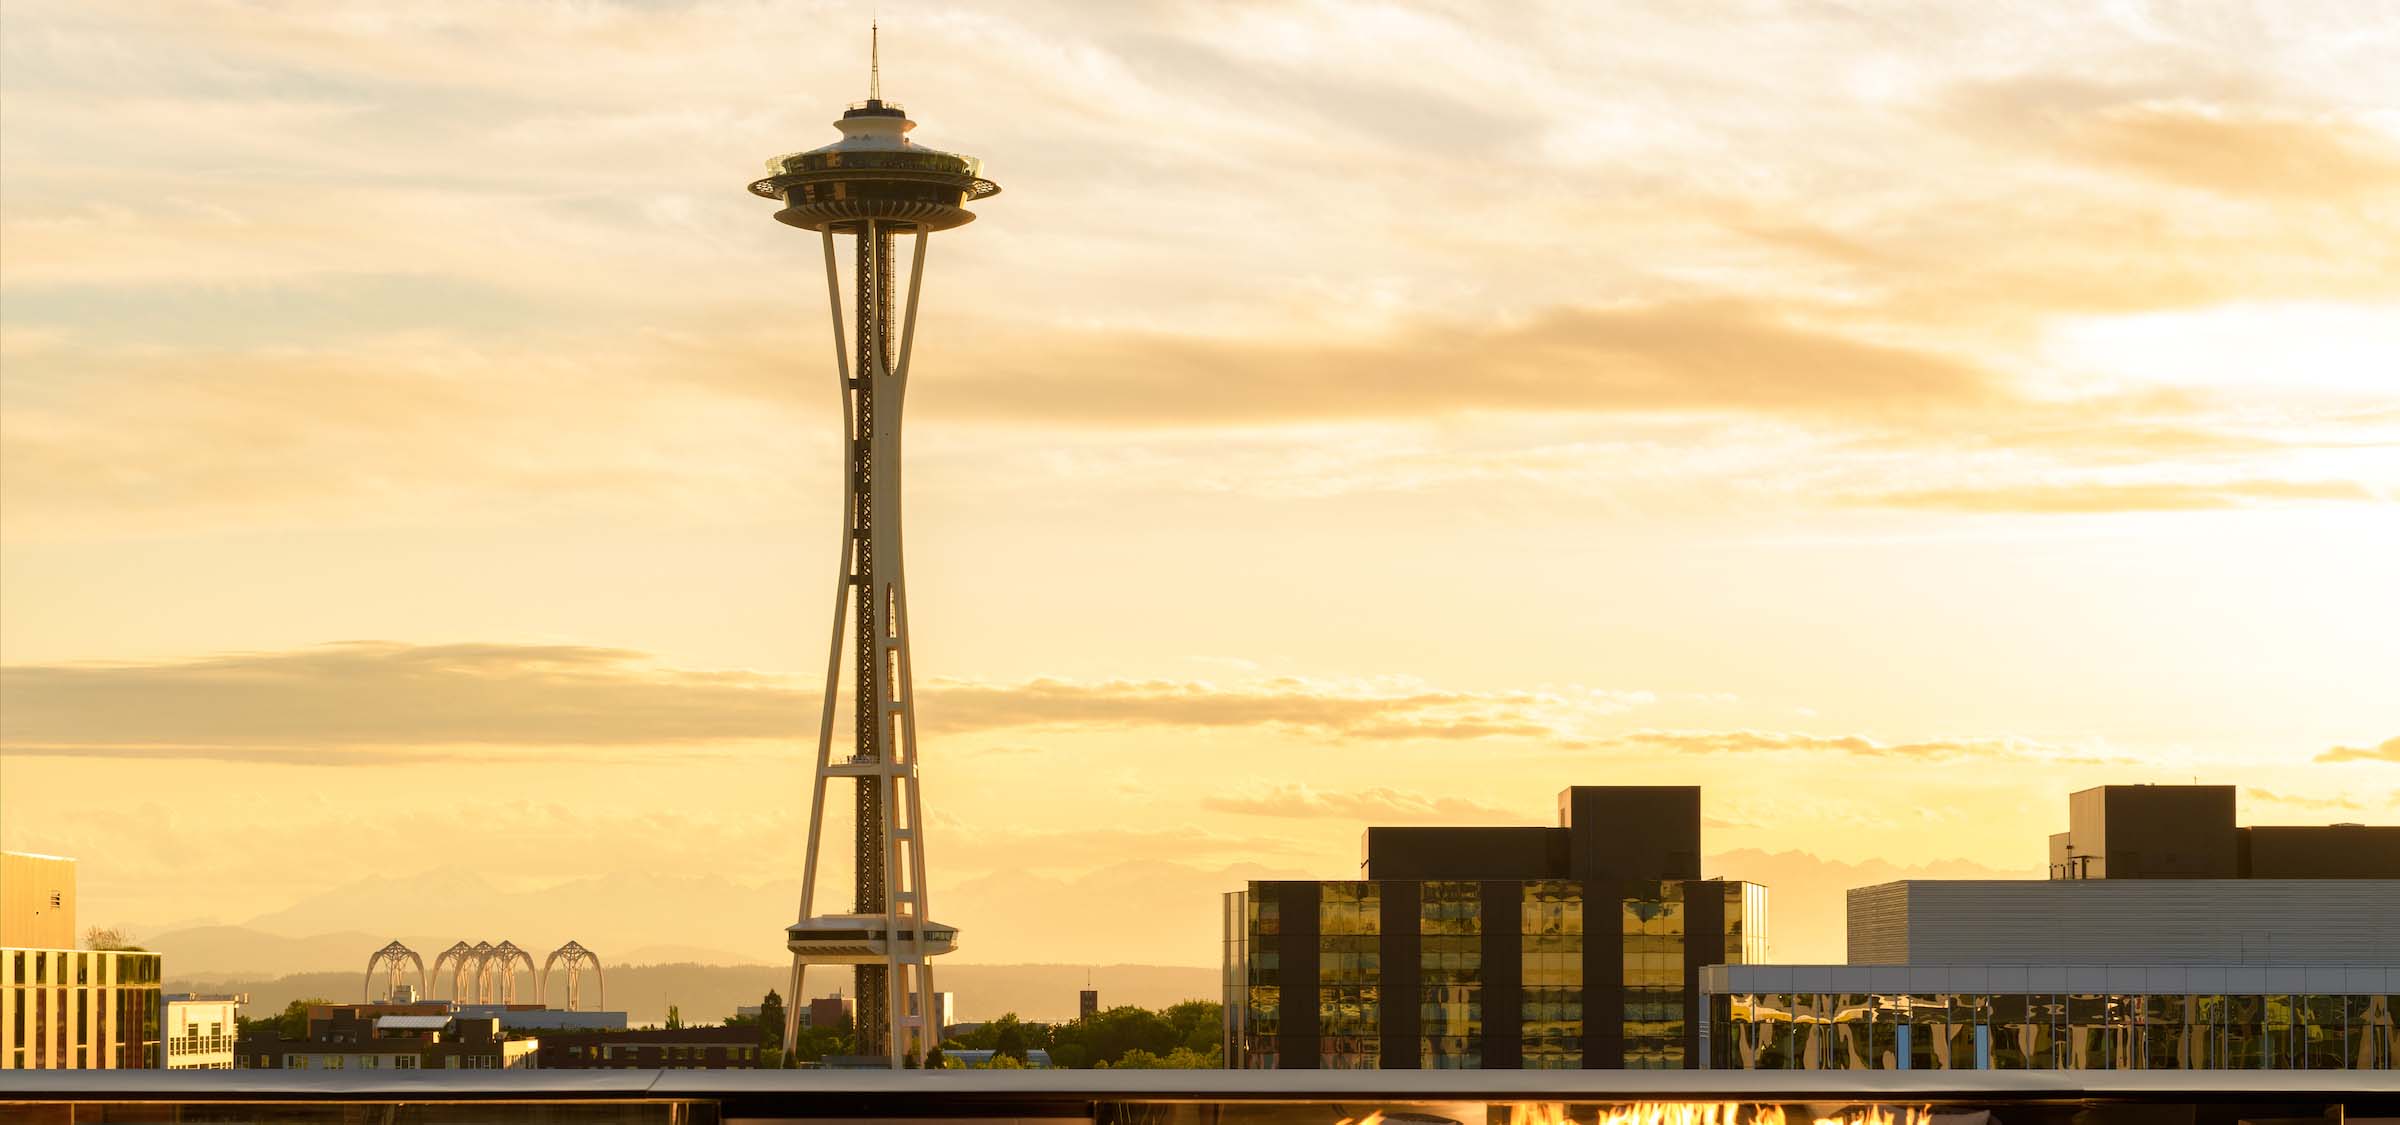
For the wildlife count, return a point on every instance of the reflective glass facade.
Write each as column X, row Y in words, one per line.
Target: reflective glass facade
column 2050, row 1031
column 1349, row 976
column 75, row 1009
column 1450, row 975
column 1475, row 974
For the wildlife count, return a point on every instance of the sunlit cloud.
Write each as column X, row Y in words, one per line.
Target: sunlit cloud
column 383, row 701
column 1378, row 803
column 2102, row 497
column 1742, row 742
column 2386, row 751
column 2303, row 801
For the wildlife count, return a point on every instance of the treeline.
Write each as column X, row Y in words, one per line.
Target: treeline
column 1183, row 1036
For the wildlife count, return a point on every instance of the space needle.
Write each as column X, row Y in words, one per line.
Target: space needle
column 873, row 186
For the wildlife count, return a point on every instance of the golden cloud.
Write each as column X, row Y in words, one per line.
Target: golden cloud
column 2386, row 751
column 1701, row 356
column 1301, row 801
column 2091, row 497
column 1789, row 742
column 385, row 701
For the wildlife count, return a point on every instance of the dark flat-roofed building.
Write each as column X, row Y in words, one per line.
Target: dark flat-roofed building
column 389, row 1037
column 1575, row 946
column 685, row 1048
column 2189, row 832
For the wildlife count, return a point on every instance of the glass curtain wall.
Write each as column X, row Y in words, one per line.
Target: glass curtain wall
column 1263, row 1003
column 1652, row 921
column 1349, row 976
column 1450, row 976
column 2050, row 1031
column 1551, row 1011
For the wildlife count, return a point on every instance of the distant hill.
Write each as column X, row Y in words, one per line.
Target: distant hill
column 709, row 993
column 1165, row 913
column 207, row 951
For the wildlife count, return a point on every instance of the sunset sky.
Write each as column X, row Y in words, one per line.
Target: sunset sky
column 418, row 456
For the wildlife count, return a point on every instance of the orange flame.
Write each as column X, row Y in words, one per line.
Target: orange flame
column 1708, row 1113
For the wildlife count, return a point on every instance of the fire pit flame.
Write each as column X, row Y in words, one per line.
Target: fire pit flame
column 1706, row 1113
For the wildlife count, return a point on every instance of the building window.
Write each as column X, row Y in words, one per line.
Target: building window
column 1450, row 976
column 1349, row 976
column 1653, row 1015
column 1551, row 1005
column 404, row 1062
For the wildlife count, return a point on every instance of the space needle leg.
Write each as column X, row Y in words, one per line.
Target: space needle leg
column 833, row 661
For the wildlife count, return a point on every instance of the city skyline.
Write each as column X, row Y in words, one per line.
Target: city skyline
column 1365, row 414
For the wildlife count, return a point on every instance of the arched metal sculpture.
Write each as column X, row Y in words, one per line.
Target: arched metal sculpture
column 462, row 961
column 498, row 980
column 576, row 958
column 393, row 959
column 479, row 974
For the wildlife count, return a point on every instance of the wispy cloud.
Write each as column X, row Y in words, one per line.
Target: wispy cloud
column 1847, row 745
column 1374, row 803
column 387, row 698
column 2302, row 801
column 2386, row 751
column 1720, row 356
column 2086, row 497
column 385, row 701
column 1318, row 707
column 381, row 701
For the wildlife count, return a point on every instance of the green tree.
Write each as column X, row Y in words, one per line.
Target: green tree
column 1109, row 1035
column 770, row 1022
column 1008, row 1035
column 674, row 1018
column 291, row 1023
column 1198, row 1024
column 1001, row 1062
column 814, row 1043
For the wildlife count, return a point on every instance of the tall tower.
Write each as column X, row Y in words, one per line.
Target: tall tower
column 873, row 186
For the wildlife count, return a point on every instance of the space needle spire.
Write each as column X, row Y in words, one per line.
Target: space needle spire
column 872, row 187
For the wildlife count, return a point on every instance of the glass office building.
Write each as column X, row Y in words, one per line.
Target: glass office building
column 1475, row 974
column 79, row 1009
column 2051, row 1017
column 1550, row 948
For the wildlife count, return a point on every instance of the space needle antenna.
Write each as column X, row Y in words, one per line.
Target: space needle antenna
column 874, row 62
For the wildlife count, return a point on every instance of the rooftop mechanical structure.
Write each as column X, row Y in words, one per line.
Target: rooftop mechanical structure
column 873, row 186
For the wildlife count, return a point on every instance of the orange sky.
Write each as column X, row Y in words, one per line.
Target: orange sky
column 418, row 454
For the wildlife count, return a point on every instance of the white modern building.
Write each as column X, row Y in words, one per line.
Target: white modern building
column 2167, row 938
column 197, row 1032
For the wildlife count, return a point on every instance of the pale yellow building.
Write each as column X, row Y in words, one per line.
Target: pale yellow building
column 63, row 1008
column 37, row 901
column 199, row 1031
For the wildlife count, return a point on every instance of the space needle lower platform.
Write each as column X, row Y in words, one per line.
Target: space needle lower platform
column 872, row 187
